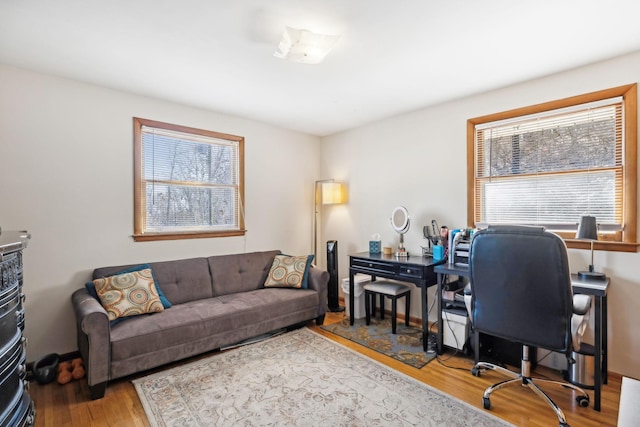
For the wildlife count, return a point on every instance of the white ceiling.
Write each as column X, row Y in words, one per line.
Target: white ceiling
column 394, row 56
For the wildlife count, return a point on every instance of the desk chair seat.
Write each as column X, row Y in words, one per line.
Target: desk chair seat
column 521, row 291
column 391, row 290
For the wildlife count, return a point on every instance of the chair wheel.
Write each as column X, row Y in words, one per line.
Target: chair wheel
column 475, row 372
column 583, row 401
column 564, row 425
column 486, row 403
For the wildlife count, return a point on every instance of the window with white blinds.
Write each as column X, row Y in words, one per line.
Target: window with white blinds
column 549, row 164
column 188, row 182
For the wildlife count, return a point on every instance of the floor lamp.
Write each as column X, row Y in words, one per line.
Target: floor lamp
column 328, row 192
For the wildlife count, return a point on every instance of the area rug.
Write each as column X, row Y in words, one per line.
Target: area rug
column 297, row 379
column 405, row 345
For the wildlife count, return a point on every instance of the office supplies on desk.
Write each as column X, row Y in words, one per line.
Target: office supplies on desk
column 459, row 243
column 436, row 236
column 438, row 252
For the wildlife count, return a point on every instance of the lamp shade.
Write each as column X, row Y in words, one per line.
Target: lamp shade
column 332, row 193
column 587, row 228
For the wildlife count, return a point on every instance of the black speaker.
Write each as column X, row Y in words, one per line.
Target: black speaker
column 332, row 268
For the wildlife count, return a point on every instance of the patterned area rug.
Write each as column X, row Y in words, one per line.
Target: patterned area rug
column 297, row 379
column 405, row 345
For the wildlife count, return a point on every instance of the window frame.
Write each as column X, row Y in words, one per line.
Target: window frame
column 139, row 200
column 628, row 241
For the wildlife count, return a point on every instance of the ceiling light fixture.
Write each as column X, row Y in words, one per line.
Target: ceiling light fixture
column 304, row 46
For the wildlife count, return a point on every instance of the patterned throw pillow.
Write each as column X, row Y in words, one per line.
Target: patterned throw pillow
column 289, row 272
column 128, row 294
column 91, row 288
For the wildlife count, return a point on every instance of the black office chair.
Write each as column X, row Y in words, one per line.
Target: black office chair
column 521, row 291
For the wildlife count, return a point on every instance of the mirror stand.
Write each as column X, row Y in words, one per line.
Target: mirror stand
column 401, row 252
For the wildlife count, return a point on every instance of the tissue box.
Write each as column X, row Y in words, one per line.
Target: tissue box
column 375, row 246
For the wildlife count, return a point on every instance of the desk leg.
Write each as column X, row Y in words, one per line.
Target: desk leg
column 597, row 356
column 425, row 316
column 439, row 340
column 351, row 297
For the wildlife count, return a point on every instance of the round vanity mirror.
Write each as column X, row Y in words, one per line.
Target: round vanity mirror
column 400, row 223
column 400, row 219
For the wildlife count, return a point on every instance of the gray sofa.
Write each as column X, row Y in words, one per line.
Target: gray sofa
column 216, row 302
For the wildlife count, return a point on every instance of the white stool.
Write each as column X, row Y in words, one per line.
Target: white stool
column 391, row 290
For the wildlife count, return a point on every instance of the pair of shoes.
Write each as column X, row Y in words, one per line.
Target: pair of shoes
column 73, row 370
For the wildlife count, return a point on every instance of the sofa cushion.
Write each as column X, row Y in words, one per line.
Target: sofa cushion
column 128, row 294
column 213, row 317
column 240, row 272
column 289, row 272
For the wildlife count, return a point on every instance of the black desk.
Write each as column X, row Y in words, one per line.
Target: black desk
column 415, row 269
column 597, row 288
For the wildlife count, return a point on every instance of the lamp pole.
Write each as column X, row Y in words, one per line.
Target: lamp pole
column 317, row 200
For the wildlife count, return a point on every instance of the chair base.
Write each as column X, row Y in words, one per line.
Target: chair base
column 524, row 378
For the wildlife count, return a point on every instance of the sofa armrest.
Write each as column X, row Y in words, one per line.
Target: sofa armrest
column 93, row 332
column 319, row 281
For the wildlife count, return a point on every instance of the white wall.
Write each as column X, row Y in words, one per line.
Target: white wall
column 419, row 160
column 66, row 168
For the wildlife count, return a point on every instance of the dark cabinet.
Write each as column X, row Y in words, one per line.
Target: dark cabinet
column 16, row 406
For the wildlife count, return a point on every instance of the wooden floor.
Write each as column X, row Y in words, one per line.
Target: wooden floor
column 69, row 405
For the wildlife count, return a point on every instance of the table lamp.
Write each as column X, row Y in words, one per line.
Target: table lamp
column 588, row 230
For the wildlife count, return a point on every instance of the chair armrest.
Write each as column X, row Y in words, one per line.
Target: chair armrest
column 319, row 281
column 93, row 332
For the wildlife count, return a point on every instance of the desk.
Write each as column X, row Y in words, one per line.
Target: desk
column 597, row 288
column 414, row 269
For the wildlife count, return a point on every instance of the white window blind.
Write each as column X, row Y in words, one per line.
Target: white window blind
column 552, row 167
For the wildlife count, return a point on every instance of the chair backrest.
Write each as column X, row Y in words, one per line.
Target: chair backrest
column 521, row 286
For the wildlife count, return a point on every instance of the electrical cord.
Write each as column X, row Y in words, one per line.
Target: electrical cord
column 441, row 360
column 431, row 345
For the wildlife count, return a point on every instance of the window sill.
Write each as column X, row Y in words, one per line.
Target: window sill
column 150, row 237
column 601, row 245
